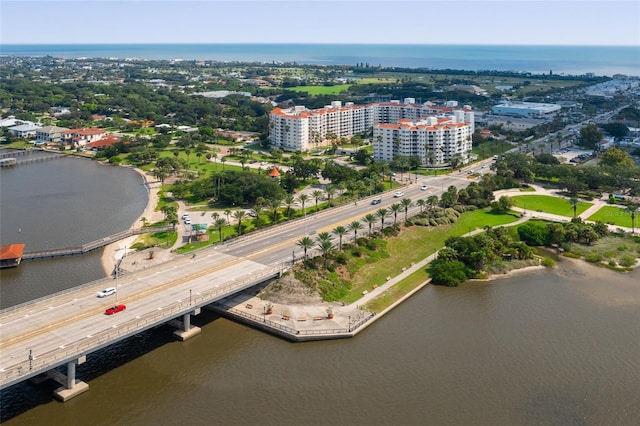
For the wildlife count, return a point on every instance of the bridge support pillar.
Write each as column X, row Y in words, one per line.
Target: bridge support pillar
column 70, row 386
column 188, row 331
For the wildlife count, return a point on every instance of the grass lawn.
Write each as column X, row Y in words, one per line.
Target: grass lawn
column 613, row 216
column 549, row 204
column 416, row 243
column 322, row 90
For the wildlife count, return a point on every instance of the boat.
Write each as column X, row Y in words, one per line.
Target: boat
column 11, row 255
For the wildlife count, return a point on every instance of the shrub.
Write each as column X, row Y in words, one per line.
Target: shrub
column 548, row 262
column 593, row 257
column 627, row 261
column 534, row 233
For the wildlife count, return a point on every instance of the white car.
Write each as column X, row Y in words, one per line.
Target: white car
column 187, row 221
column 398, row 194
column 423, row 188
column 107, row 292
column 185, row 216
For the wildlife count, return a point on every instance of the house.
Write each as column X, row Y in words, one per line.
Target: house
column 10, row 121
column 27, row 130
column 81, row 137
column 50, row 134
column 103, row 143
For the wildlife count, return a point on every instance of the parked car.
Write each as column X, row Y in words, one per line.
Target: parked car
column 187, row 221
column 424, row 188
column 185, row 216
column 115, row 309
column 398, row 194
column 107, row 292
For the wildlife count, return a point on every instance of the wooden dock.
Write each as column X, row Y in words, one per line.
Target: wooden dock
column 93, row 245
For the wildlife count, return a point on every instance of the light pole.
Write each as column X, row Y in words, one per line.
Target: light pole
column 189, row 297
column 349, row 323
column 117, row 269
column 293, row 258
column 30, row 359
column 264, row 314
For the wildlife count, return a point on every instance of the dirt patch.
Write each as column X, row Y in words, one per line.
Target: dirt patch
column 288, row 290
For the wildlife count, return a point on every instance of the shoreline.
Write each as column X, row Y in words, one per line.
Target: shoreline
column 116, row 251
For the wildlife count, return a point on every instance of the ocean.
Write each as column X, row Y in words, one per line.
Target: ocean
column 562, row 60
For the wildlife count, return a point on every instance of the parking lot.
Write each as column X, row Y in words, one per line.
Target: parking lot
column 566, row 154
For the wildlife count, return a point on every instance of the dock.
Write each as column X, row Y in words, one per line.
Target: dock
column 93, row 245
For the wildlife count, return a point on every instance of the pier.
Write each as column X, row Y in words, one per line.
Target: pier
column 93, row 245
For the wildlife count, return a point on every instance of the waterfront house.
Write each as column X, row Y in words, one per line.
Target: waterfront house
column 50, row 134
column 83, row 136
column 26, row 130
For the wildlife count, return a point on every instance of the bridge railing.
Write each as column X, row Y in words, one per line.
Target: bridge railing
column 85, row 345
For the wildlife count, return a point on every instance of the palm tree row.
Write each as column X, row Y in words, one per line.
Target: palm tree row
column 324, row 239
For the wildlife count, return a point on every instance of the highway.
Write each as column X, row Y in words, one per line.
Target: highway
column 37, row 336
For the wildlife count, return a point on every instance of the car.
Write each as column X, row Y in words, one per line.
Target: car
column 424, row 188
column 115, row 309
column 107, row 292
column 376, row 201
column 185, row 216
column 187, row 221
column 484, row 166
column 398, row 194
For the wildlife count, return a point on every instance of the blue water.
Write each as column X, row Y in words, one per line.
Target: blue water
column 574, row 60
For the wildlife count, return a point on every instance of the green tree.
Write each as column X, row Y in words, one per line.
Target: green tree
column 406, row 204
column 447, row 272
column 590, row 137
column 370, row 220
column 305, row 243
column 395, row 208
column 340, row 231
column 632, row 209
column 239, row 215
column 219, row 224
column 382, row 214
column 574, row 204
column 355, row 226
column 317, row 195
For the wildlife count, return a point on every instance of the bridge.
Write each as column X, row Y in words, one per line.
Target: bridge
column 61, row 330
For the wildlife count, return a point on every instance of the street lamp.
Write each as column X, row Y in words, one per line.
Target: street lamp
column 189, row 297
column 264, row 314
column 349, row 323
column 30, row 359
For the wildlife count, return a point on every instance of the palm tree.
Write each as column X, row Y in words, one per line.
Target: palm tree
column 632, row 209
column 340, row 231
column 394, row 208
column 302, row 199
column 219, row 224
column 421, row 203
column 227, row 213
column 574, row 203
column 306, row 243
column 371, row 220
column 406, row 203
column 325, row 246
column 223, row 160
column 382, row 214
column 317, row 194
column 257, row 211
column 330, row 190
column 289, row 200
column 432, row 200
column 275, row 204
column 188, row 152
column 355, row 226
column 239, row 214
column 322, row 236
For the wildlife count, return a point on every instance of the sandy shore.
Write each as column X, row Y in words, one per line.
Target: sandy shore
column 117, row 250
column 518, row 271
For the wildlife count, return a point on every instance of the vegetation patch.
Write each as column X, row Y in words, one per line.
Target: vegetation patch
column 549, row 204
column 613, row 216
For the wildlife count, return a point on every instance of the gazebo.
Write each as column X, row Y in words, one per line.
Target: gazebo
column 274, row 174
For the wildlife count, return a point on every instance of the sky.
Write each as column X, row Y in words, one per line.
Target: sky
column 502, row 22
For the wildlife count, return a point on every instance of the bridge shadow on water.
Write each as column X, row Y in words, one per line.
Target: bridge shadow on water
column 24, row 396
